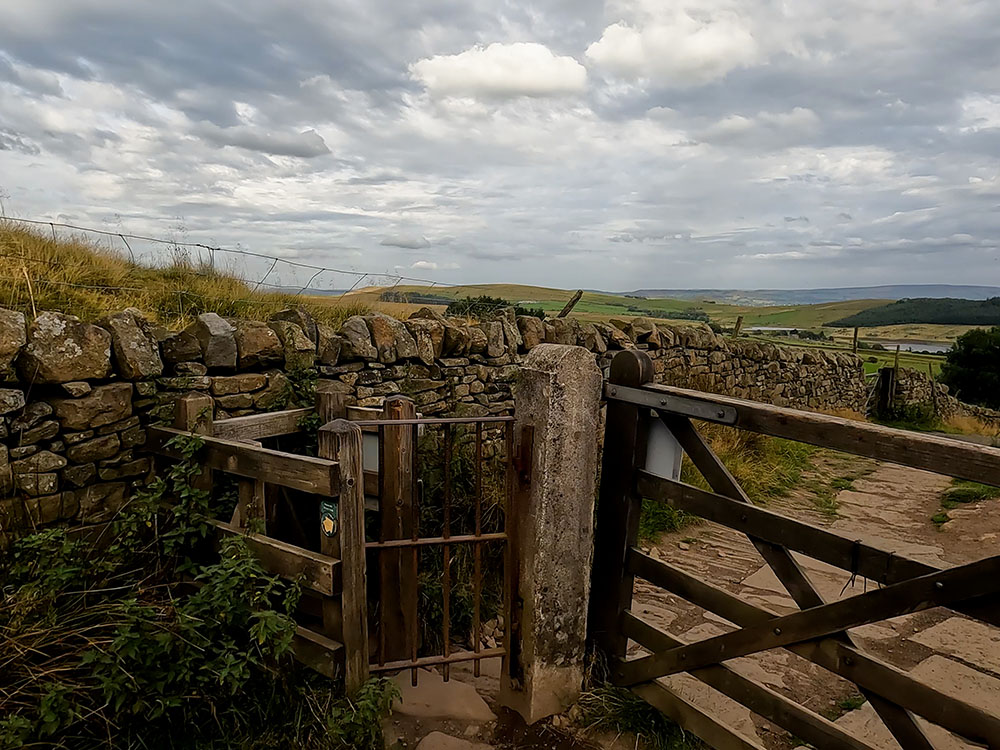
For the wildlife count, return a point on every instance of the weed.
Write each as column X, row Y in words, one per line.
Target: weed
column 845, row 705
column 940, row 519
column 620, row 710
column 962, row 491
column 842, row 483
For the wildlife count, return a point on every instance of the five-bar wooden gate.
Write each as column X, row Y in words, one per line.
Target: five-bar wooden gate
column 818, row 631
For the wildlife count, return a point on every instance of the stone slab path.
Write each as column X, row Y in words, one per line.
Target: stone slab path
column 890, row 507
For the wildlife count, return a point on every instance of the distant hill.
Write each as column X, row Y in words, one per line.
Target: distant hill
column 927, row 310
column 819, row 296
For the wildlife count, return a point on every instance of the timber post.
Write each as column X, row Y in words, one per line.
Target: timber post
column 342, row 535
column 397, row 491
column 619, row 505
column 557, row 398
column 193, row 413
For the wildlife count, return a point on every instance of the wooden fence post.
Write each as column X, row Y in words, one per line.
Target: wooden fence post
column 193, row 413
column 854, row 343
column 342, row 535
column 618, row 506
column 738, row 327
column 330, row 404
column 397, row 576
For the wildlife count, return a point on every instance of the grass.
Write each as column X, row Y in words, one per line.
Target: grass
column 960, row 493
column 765, row 467
column 619, row 710
column 81, row 277
column 845, row 705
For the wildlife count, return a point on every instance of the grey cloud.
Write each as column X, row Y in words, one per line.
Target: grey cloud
column 406, row 241
column 187, row 110
column 306, row 145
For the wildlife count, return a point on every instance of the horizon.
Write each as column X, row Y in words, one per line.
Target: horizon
column 732, row 144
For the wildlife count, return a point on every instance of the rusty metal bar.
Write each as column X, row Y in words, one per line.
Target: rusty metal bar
column 415, row 485
column 432, row 421
column 381, row 538
column 477, row 573
column 431, row 541
column 430, row 661
column 446, row 570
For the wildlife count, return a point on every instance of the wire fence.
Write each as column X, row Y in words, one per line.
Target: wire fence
column 262, row 276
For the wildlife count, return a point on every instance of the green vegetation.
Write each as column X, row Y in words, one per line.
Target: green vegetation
column 845, row 705
column 960, row 493
column 87, row 279
column 924, row 310
column 765, row 467
column 148, row 640
column 615, row 709
column 972, row 370
column 484, row 307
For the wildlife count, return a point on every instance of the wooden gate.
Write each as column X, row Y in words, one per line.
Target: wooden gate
column 818, row 631
column 351, row 526
column 441, row 494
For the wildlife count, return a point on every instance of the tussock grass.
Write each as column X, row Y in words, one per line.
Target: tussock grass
column 765, row 467
column 612, row 709
column 82, row 277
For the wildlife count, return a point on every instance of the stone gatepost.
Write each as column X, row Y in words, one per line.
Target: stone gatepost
column 557, row 398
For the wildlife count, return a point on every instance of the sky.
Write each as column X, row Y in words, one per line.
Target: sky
column 574, row 143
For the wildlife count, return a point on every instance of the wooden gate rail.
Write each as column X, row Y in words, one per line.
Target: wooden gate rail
column 818, row 631
column 336, row 573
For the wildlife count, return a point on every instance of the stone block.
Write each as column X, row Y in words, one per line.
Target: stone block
column 62, row 348
column 136, row 353
column 33, row 413
column 13, row 336
column 182, row 346
column 299, row 350
column 37, row 484
column 94, row 450
column 243, row 383
column 38, row 462
column 44, row 431
column 217, row 340
column 302, row 319
column 80, row 475
column 357, row 340
column 103, row 405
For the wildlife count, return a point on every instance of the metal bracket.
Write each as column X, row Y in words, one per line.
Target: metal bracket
column 689, row 407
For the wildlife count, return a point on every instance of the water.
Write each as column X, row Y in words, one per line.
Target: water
column 934, row 347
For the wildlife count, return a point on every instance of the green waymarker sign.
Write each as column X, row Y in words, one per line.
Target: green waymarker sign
column 329, row 513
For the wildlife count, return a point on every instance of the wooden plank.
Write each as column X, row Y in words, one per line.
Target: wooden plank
column 319, row 573
column 759, row 698
column 760, row 523
column 869, row 673
column 900, row 724
column 932, row 590
column 568, row 307
column 941, row 455
column 884, row 568
column 619, row 507
column 315, row 475
column 694, row 719
column 259, row 426
column 397, row 575
column 340, row 440
column 323, row 654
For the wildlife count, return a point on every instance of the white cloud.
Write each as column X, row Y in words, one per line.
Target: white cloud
column 681, row 51
column 501, row 71
column 980, row 113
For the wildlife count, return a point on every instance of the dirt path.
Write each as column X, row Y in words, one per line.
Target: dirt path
column 885, row 505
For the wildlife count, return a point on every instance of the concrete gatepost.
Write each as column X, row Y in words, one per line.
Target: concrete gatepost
column 557, row 398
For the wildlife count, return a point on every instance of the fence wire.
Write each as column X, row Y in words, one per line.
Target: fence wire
column 305, row 282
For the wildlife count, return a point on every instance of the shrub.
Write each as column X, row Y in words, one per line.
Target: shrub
column 149, row 640
column 972, row 370
column 485, row 307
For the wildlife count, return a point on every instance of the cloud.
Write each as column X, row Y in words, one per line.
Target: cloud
column 680, row 52
column 306, row 145
column 406, row 241
column 501, row 71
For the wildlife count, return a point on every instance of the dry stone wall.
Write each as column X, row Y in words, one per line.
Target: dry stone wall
column 76, row 397
column 914, row 388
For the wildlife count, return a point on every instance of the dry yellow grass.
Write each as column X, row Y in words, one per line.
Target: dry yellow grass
column 77, row 276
